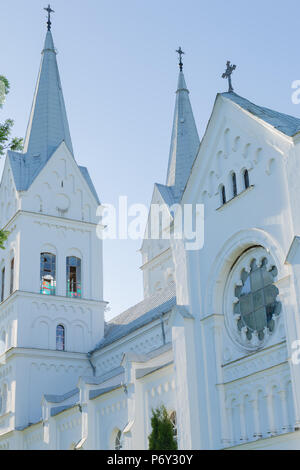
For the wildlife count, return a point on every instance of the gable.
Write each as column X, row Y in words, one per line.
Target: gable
column 288, row 125
column 235, row 140
column 62, row 189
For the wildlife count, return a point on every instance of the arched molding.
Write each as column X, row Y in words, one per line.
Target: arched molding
column 41, row 319
column 232, row 249
column 48, row 248
column 74, row 252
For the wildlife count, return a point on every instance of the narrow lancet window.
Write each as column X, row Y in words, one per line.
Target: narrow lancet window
column 173, row 419
column 223, row 194
column 48, row 274
column 2, row 283
column 118, row 441
column 12, row 275
column 246, row 179
column 234, row 186
column 73, row 277
column 60, row 338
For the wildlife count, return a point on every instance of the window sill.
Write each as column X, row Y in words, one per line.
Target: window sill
column 227, row 203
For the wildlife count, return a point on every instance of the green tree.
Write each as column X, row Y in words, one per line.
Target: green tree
column 3, row 237
column 6, row 142
column 162, row 435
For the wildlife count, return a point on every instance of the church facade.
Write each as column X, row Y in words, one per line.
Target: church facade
column 216, row 337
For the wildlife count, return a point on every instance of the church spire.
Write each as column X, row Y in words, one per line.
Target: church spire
column 48, row 124
column 185, row 140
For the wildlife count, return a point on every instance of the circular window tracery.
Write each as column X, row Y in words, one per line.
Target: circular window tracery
column 252, row 307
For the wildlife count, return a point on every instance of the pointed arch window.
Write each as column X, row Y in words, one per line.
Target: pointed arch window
column 60, row 338
column 3, row 399
column 246, row 179
column 48, row 274
column 223, row 194
column 234, row 185
column 2, row 342
column 173, row 419
column 118, row 441
column 2, row 283
column 12, row 275
column 73, row 277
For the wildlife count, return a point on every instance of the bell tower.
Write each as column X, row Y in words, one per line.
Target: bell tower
column 51, row 273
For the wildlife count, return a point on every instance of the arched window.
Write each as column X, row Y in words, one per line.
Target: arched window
column 73, row 277
column 48, row 274
column 60, row 338
column 173, row 419
column 118, row 441
column 12, row 275
column 223, row 194
column 2, row 283
column 246, row 179
column 2, row 342
column 3, row 399
column 234, row 186
column 252, row 299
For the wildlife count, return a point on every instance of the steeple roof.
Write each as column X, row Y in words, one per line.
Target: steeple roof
column 47, row 127
column 48, row 124
column 184, row 142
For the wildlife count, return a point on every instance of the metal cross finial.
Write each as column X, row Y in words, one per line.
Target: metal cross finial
column 180, row 53
column 49, row 10
column 227, row 74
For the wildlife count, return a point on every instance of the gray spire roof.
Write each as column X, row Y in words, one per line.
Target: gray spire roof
column 184, row 142
column 48, row 124
column 47, row 127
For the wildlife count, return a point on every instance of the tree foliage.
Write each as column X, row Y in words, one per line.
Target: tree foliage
column 162, row 435
column 3, row 237
column 6, row 142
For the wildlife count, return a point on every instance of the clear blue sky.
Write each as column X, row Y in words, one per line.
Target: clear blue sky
column 119, row 73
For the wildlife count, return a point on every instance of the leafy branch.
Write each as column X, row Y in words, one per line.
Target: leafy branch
column 6, row 142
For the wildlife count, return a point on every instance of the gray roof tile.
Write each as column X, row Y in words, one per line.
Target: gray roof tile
column 286, row 124
column 48, row 125
column 101, row 391
column 59, row 409
column 61, row 398
column 185, row 141
column 138, row 316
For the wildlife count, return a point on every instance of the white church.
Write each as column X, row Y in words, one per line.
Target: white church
column 215, row 338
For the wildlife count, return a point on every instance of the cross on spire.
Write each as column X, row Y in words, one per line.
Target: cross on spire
column 227, row 74
column 49, row 10
column 180, row 53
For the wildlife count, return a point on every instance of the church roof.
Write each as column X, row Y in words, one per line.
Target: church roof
column 184, row 141
column 48, row 124
column 285, row 123
column 61, row 398
column 102, row 391
column 166, row 193
column 86, row 175
column 47, row 127
column 60, row 409
column 138, row 316
column 24, row 172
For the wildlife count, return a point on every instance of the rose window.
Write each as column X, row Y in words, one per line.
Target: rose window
column 253, row 299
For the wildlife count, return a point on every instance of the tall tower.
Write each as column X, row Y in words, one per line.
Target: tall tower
column 157, row 260
column 51, row 286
